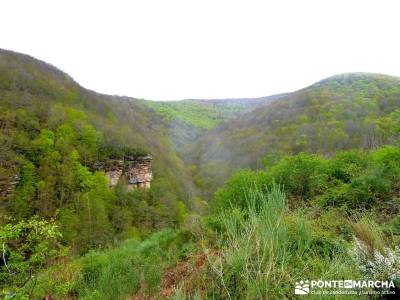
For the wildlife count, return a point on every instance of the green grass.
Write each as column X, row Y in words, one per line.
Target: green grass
column 256, row 251
column 200, row 114
column 265, row 249
column 122, row 271
column 116, row 273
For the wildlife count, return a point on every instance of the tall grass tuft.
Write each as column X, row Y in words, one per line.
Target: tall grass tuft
column 123, row 270
column 369, row 233
column 260, row 258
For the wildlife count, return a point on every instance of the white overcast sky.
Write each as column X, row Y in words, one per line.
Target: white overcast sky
column 204, row 49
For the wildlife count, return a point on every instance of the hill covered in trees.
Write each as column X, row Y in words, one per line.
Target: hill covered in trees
column 342, row 112
column 53, row 131
column 189, row 119
column 307, row 187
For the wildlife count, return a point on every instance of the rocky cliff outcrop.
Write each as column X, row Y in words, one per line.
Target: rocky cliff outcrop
column 8, row 186
column 139, row 173
column 136, row 170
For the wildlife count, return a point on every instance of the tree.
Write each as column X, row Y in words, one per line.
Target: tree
column 27, row 247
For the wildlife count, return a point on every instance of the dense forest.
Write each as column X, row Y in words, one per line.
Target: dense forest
column 53, row 131
column 249, row 196
column 348, row 111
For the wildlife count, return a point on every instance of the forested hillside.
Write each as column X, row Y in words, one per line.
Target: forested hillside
column 206, row 114
column 189, row 119
column 342, row 112
column 305, row 217
column 322, row 200
column 53, row 131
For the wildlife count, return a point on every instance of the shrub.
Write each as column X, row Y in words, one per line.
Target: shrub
column 27, row 247
column 302, row 175
column 347, row 165
column 389, row 159
column 234, row 191
column 363, row 192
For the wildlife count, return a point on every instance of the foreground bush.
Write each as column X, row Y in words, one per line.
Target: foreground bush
column 27, row 247
column 355, row 180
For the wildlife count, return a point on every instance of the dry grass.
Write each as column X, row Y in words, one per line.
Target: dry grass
column 369, row 233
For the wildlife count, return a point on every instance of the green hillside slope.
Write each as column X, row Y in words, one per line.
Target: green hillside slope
column 189, row 119
column 331, row 213
column 205, row 114
column 342, row 112
column 53, row 131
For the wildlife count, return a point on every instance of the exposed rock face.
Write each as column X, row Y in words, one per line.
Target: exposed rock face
column 136, row 170
column 6, row 189
column 139, row 173
column 113, row 176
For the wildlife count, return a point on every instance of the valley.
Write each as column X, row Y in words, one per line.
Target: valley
column 111, row 197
